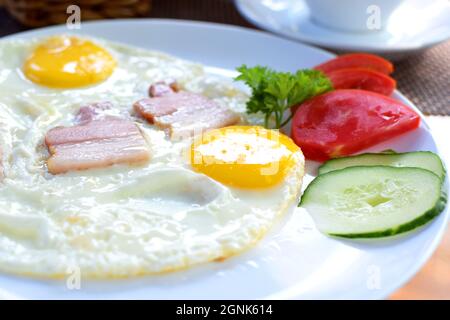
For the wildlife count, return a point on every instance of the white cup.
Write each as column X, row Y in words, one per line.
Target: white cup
column 352, row 15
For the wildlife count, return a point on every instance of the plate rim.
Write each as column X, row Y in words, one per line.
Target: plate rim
column 436, row 240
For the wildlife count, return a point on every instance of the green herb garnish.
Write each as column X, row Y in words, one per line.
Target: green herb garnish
column 275, row 92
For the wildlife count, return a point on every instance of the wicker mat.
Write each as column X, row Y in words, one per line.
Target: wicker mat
column 425, row 79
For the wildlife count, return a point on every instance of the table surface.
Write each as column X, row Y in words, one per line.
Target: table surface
column 423, row 78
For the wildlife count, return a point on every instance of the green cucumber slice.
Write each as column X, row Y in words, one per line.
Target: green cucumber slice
column 420, row 159
column 371, row 202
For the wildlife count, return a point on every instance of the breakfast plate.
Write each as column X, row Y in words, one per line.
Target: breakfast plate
column 294, row 260
column 402, row 36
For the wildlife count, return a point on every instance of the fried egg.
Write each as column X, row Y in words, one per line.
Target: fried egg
column 197, row 200
column 244, row 156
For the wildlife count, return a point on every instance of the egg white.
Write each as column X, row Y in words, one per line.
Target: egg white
column 119, row 221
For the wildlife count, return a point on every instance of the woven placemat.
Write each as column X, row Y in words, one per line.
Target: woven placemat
column 423, row 78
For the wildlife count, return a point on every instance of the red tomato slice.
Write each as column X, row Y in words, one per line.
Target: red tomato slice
column 343, row 122
column 357, row 60
column 365, row 79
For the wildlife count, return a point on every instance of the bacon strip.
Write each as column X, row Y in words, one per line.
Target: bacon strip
column 184, row 113
column 93, row 111
column 161, row 88
column 95, row 144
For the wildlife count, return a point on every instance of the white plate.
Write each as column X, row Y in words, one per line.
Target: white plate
column 294, row 260
column 414, row 26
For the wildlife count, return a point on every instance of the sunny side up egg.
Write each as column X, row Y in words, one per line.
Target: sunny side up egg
column 244, row 156
column 121, row 221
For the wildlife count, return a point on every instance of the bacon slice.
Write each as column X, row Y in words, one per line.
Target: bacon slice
column 93, row 111
column 184, row 113
column 161, row 88
column 95, row 143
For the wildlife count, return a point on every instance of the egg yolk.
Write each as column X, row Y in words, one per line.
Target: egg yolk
column 244, row 156
column 68, row 62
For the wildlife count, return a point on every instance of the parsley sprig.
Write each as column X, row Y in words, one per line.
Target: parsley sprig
column 274, row 92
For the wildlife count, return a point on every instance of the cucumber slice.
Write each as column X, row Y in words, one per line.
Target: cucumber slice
column 371, row 202
column 420, row 159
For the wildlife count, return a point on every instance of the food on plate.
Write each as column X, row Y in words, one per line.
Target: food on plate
column 122, row 220
column 184, row 113
column 343, row 122
column 95, row 143
column 162, row 88
column 373, row 201
column 360, row 71
column 357, row 60
column 68, row 62
column 364, row 79
column 245, row 156
column 101, row 186
column 420, row 159
column 274, row 93
column 376, row 194
column 369, row 195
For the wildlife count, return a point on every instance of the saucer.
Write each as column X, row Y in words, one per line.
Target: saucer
column 414, row 26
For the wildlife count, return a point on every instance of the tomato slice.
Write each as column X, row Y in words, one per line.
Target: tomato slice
column 365, row 79
column 357, row 60
column 343, row 122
